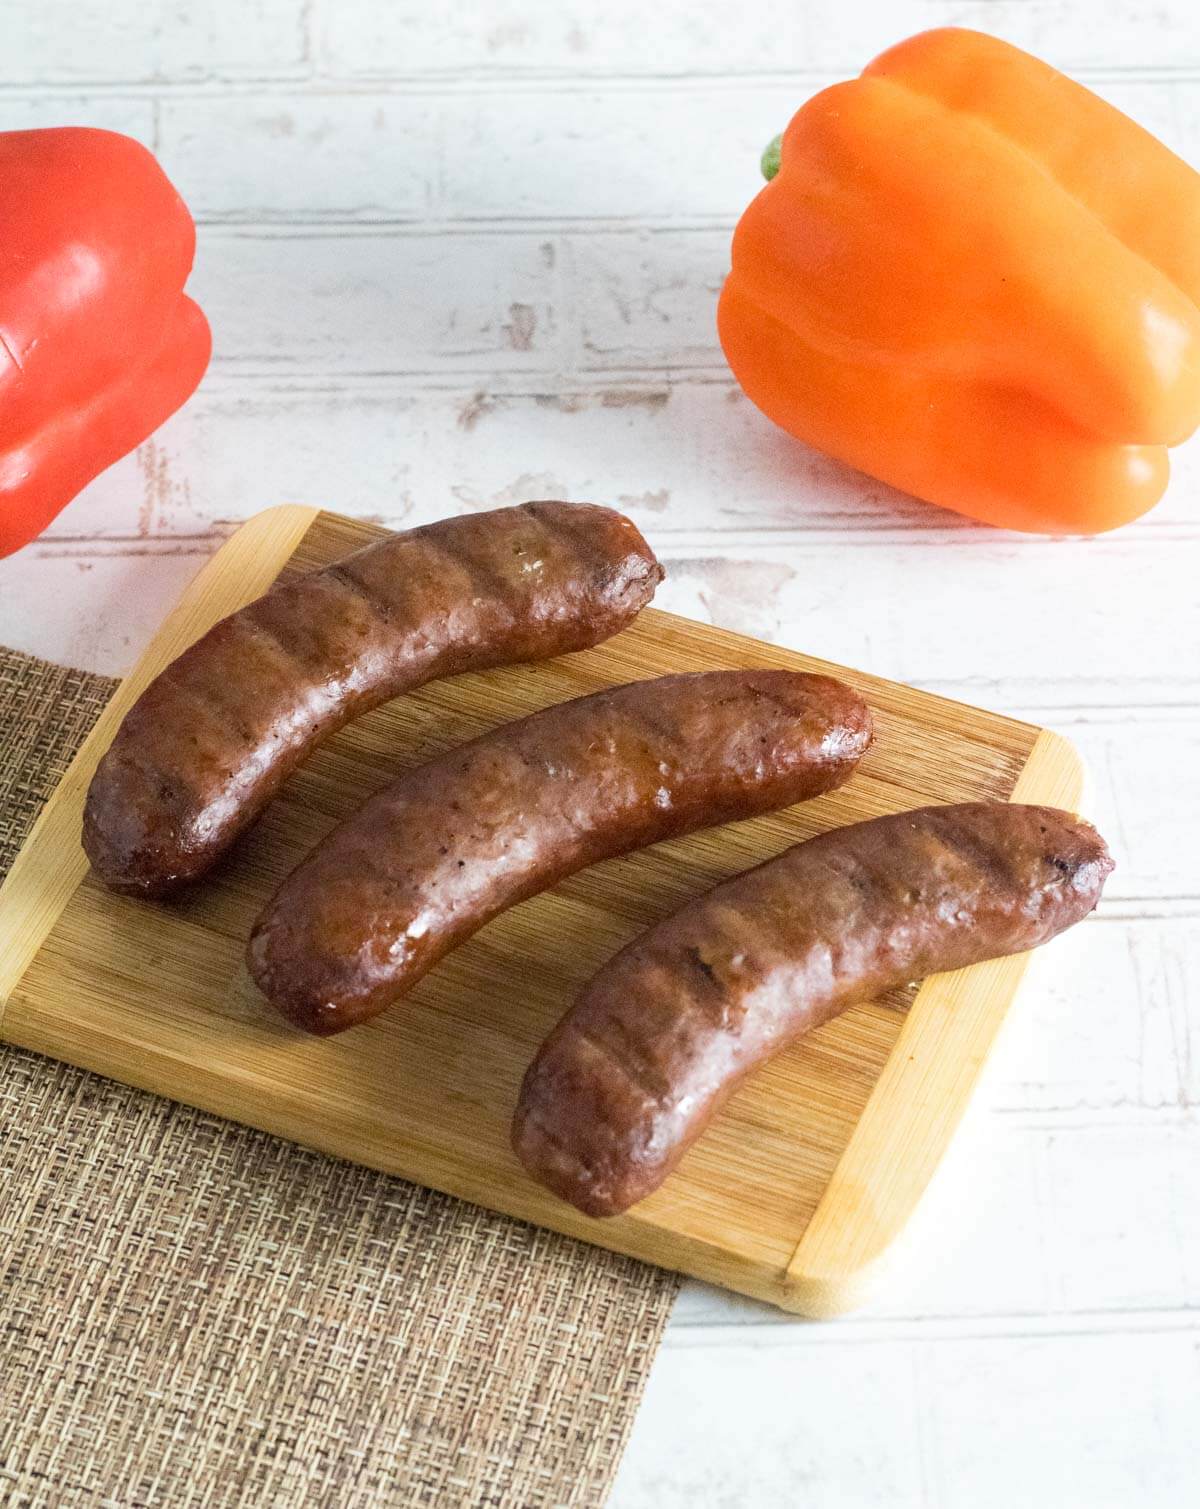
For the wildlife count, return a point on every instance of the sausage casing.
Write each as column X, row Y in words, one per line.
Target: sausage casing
column 665, row 1031
column 433, row 857
column 214, row 736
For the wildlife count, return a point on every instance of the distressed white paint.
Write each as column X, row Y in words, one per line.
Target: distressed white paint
column 456, row 256
column 332, row 155
column 372, row 300
column 122, row 40
column 678, row 37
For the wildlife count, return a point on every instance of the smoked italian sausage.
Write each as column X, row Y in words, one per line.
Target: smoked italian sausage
column 670, row 1026
column 433, row 857
column 212, row 739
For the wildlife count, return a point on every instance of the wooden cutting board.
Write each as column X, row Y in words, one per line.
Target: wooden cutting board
column 795, row 1193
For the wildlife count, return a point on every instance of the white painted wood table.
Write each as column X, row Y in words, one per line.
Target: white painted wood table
column 457, row 255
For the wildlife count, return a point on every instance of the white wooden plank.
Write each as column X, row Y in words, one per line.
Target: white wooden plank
column 977, row 1246
column 676, row 37
column 324, row 156
column 378, row 301
column 1036, row 1212
column 1100, row 1023
column 1030, row 1220
column 1065, row 1418
column 853, row 603
column 1181, row 985
column 407, row 301
column 974, row 618
column 88, row 609
column 686, row 151
column 112, row 112
column 683, row 457
column 513, row 153
column 648, row 299
column 847, row 605
column 692, row 460
column 1069, row 1422
column 1123, row 1208
column 741, row 1426
column 985, row 1255
column 126, row 40
column 1145, row 796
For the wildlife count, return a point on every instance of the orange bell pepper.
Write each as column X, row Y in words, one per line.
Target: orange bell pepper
column 978, row 282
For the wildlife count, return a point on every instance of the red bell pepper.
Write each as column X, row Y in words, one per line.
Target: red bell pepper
column 98, row 342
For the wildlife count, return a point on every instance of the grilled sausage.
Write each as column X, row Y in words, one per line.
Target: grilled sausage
column 213, row 737
column 433, row 857
column 665, row 1031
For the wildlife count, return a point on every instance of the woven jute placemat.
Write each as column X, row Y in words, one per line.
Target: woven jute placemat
column 194, row 1313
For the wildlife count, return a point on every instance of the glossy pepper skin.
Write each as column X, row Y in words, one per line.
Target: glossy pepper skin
column 978, row 282
column 98, row 342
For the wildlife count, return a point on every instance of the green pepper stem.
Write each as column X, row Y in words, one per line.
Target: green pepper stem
column 770, row 158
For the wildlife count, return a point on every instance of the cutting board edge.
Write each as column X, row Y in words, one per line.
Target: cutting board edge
column 187, row 1082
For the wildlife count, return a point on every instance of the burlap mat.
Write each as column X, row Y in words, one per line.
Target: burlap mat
column 193, row 1313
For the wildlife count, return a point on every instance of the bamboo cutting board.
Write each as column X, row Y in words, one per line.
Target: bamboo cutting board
column 798, row 1189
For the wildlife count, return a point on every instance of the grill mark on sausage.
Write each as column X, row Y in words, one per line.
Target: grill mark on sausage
column 988, row 859
column 175, row 796
column 342, row 572
column 559, row 529
column 706, row 993
column 648, row 726
column 265, row 635
column 476, row 557
column 764, row 692
column 635, row 1068
column 555, row 1141
column 205, row 708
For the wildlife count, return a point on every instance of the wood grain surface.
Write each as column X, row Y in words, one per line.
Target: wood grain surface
column 805, row 1179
